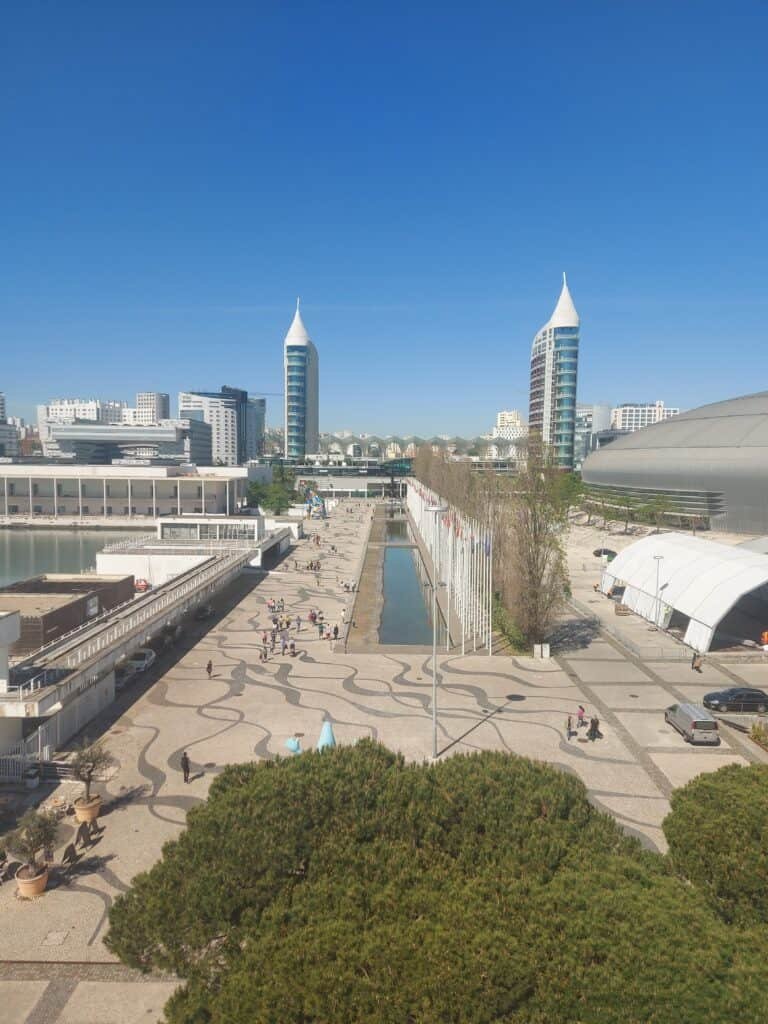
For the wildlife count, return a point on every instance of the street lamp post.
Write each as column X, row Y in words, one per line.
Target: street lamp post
column 437, row 510
column 658, row 560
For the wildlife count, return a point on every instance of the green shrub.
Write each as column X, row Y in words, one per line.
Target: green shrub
column 718, row 839
column 504, row 624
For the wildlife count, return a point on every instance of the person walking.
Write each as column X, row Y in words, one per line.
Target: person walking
column 185, row 766
column 321, row 629
column 568, row 727
column 335, row 632
column 298, row 623
column 581, row 717
column 209, row 668
column 283, row 646
column 343, row 615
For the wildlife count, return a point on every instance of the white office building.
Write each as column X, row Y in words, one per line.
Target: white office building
column 510, row 426
column 631, row 416
column 221, row 414
column 302, row 426
column 590, row 421
column 151, row 407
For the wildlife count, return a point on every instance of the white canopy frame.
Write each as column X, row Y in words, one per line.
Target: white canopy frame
column 701, row 579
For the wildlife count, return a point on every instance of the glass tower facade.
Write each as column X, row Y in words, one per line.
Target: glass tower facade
column 301, row 392
column 554, row 371
column 296, row 358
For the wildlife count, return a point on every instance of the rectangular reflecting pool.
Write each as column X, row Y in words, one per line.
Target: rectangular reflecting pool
column 406, row 616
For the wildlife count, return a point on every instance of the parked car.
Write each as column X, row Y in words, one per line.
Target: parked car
column 693, row 723
column 124, row 673
column 203, row 612
column 737, row 698
column 143, row 659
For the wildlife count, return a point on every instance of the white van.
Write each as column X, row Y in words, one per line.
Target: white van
column 693, row 722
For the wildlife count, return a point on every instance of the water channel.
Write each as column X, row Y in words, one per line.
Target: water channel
column 406, row 615
column 26, row 553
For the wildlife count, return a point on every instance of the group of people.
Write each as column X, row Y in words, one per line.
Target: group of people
column 593, row 729
column 314, row 565
column 274, row 605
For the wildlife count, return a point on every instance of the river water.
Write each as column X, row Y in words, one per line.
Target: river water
column 26, row 553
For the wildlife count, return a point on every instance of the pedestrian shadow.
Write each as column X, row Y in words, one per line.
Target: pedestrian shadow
column 79, row 867
column 197, row 775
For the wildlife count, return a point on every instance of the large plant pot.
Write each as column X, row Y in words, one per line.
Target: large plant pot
column 33, row 886
column 87, row 811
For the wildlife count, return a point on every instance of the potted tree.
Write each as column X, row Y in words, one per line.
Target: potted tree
column 36, row 831
column 88, row 762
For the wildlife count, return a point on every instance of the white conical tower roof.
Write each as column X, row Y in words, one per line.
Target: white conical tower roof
column 297, row 332
column 565, row 314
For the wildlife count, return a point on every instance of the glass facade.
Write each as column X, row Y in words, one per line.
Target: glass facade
column 554, row 374
column 296, row 359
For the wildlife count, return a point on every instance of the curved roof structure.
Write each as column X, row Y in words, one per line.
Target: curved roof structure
column 297, row 332
column 564, row 314
column 716, row 455
column 698, row 578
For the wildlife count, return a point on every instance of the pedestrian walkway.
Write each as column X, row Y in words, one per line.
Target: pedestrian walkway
column 250, row 709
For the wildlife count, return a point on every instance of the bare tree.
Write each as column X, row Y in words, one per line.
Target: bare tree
column 539, row 520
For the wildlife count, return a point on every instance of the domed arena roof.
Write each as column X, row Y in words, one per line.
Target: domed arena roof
column 717, row 454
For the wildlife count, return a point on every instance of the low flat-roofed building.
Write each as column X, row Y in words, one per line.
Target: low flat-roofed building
column 53, row 605
column 81, row 492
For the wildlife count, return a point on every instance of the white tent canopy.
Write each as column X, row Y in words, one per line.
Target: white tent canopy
column 698, row 578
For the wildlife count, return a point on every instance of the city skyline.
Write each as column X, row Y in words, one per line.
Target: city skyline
column 164, row 222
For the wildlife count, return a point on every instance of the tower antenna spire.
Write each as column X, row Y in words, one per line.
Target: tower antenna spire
column 298, row 302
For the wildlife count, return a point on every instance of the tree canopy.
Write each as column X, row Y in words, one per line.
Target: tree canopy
column 529, row 513
column 351, row 886
column 276, row 497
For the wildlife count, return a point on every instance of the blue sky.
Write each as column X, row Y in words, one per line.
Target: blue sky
column 173, row 175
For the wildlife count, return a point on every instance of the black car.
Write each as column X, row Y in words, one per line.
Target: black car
column 737, row 698
column 203, row 612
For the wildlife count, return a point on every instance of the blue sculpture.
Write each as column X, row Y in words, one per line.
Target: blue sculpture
column 294, row 745
column 327, row 739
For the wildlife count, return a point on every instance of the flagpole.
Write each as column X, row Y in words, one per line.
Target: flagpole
column 490, row 595
column 450, row 574
column 463, row 586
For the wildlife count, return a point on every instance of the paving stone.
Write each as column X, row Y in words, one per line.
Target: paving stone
column 681, row 672
column 18, row 999
column 609, row 672
column 95, row 1002
column 681, row 767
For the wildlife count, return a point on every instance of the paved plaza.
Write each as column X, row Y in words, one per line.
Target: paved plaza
column 54, row 966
